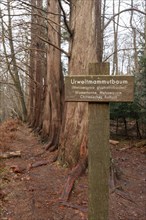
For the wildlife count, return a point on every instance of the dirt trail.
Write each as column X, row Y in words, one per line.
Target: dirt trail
column 33, row 194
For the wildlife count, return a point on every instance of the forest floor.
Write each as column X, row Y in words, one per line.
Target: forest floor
column 29, row 191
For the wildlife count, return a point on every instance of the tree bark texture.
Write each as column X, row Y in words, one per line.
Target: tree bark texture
column 53, row 106
column 37, row 71
column 83, row 50
column 31, row 98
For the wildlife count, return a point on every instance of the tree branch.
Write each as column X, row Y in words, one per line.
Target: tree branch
column 124, row 49
column 50, row 43
column 64, row 18
column 125, row 10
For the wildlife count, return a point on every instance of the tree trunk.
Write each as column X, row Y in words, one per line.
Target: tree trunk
column 125, row 126
column 115, row 70
column 85, row 48
column 13, row 68
column 31, row 97
column 37, row 71
column 134, row 38
column 138, row 130
column 53, row 106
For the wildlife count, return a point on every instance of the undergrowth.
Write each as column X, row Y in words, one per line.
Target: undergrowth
column 8, row 133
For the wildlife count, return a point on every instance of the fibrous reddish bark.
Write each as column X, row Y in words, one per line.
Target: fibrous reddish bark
column 53, row 106
column 76, row 172
column 83, row 50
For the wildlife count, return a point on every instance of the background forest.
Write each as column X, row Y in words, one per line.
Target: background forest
column 42, row 41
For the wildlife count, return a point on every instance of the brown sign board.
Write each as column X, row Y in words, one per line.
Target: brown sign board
column 99, row 88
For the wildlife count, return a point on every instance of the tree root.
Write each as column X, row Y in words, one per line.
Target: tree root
column 125, row 196
column 115, row 174
column 22, row 169
column 79, row 169
column 38, row 164
column 76, row 172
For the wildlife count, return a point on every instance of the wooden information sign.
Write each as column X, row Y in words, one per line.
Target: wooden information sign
column 98, row 89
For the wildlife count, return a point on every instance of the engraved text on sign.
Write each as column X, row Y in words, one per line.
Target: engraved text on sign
column 101, row 88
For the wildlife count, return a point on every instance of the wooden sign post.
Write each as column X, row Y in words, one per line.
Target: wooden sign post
column 98, row 89
column 98, row 157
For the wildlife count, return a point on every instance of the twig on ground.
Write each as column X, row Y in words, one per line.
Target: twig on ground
column 8, row 155
column 78, row 207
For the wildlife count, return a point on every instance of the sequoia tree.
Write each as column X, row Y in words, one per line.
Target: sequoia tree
column 85, row 48
column 52, row 115
column 37, row 64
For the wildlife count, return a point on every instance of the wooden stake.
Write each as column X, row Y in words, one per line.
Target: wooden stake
column 98, row 146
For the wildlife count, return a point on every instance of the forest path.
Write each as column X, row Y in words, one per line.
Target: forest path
column 33, row 194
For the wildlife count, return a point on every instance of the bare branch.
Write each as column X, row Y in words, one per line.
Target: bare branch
column 124, row 49
column 64, row 18
column 125, row 10
column 50, row 43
